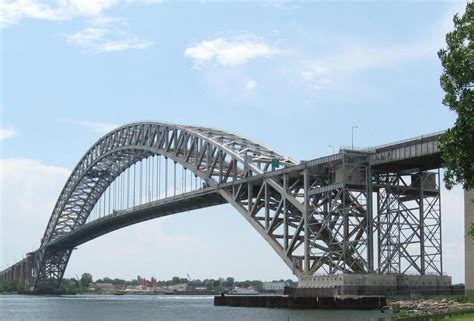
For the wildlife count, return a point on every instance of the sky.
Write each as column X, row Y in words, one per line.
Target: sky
column 295, row 76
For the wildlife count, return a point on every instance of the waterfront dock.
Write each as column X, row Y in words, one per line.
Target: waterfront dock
column 292, row 302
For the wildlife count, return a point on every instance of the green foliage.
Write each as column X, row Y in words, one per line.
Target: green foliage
column 71, row 286
column 8, row 287
column 456, row 298
column 403, row 314
column 457, row 80
column 465, row 317
column 470, row 232
column 84, row 284
column 229, row 282
column 86, row 279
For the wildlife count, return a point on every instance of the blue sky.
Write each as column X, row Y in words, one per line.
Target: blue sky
column 293, row 76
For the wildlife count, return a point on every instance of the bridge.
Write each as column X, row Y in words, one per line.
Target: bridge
column 357, row 212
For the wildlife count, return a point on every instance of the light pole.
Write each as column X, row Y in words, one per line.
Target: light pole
column 353, row 127
column 332, row 148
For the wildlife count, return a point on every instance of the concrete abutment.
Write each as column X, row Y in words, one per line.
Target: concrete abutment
column 371, row 284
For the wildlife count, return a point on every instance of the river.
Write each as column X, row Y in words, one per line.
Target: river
column 157, row 307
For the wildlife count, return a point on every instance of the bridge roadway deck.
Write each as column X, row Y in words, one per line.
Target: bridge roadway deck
column 420, row 152
column 171, row 205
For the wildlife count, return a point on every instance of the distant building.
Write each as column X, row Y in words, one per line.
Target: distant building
column 273, row 286
column 180, row 287
column 145, row 282
column 104, row 287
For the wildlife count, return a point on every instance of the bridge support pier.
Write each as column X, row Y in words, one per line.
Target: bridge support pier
column 338, row 223
column 21, row 280
column 21, row 273
column 408, row 222
column 16, row 275
column 28, row 271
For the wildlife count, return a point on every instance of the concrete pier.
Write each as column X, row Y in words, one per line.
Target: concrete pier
column 469, row 243
column 16, row 270
column 21, row 273
column 28, row 271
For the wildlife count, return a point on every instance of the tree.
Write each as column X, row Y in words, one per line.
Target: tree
column 457, row 80
column 71, row 286
column 117, row 281
column 86, row 279
column 229, row 282
column 471, row 231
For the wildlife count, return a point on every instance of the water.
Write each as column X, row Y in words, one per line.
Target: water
column 155, row 307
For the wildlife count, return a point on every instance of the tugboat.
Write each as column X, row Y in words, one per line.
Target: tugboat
column 242, row 291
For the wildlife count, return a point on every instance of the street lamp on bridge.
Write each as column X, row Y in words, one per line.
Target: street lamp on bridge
column 353, row 127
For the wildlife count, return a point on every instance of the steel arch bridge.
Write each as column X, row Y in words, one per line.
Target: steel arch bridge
column 212, row 155
column 318, row 215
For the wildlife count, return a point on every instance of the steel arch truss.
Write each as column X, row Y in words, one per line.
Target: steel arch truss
column 215, row 156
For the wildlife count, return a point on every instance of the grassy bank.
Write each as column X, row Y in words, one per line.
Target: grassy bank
column 442, row 316
column 466, row 317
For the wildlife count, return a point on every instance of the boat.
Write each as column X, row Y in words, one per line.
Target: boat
column 242, row 291
column 118, row 293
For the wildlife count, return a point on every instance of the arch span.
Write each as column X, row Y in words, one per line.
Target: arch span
column 218, row 158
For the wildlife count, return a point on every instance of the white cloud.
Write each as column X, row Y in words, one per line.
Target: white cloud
column 14, row 11
column 103, row 40
column 282, row 5
column 7, row 133
column 227, row 52
column 105, row 20
column 87, row 36
column 98, row 127
column 28, row 192
column 251, row 84
column 87, row 7
column 99, row 37
column 146, row 1
column 322, row 71
column 316, row 73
